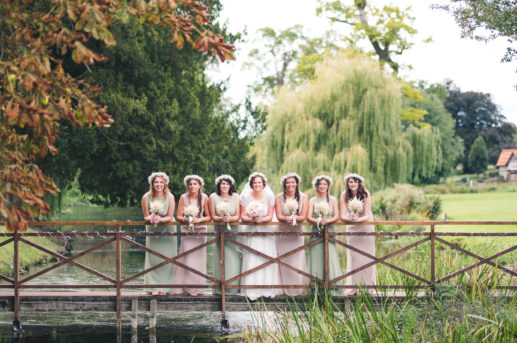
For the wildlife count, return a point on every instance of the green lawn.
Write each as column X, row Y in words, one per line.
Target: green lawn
column 480, row 206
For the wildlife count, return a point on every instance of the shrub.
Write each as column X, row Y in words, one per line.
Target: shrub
column 403, row 201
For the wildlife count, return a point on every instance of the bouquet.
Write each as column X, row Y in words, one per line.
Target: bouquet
column 223, row 209
column 291, row 207
column 256, row 209
column 355, row 206
column 155, row 209
column 191, row 211
column 322, row 209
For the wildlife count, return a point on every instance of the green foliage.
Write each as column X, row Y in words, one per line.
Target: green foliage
column 485, row 20
column 478, row 156
column 402, row 201
column 388, row 29
column 346, row 120
column 167, row 117
column 431, row 102
column 477, row 115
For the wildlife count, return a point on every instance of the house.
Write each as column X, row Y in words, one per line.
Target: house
column 507, row 164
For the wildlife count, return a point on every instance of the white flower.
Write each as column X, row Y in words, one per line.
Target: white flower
column 355, row 206
column 322, row 209
column 256, row 209
column 222, row 209
column 191, row 210
column 291, row 206
column 155, row 207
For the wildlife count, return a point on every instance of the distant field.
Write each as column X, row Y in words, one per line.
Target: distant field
column 481, row 206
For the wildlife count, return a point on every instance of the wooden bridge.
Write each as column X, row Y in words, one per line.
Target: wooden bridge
column 118, row 294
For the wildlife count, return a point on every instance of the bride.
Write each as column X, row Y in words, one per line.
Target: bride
column 257, row 206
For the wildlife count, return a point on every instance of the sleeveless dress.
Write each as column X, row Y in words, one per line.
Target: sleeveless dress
column 317, row 252
column 195, row 260
column 355, row 260
column 267, row 246
column 284, row 244
column 232, row 254
column 164, row 245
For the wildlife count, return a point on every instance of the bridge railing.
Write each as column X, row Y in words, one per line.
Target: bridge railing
column 119, row 232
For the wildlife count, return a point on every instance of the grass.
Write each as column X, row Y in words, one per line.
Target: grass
column 28, row 255
column 448, row 315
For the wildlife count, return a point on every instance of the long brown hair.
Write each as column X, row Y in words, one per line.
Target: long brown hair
column 199, row 195
column 296, row 193
column 328, row 186
column 165, row 188
column 361, row 191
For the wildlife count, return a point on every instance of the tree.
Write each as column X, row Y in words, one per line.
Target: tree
column 37, row 93
column 286, row 58
column 435, row 115
column 478, row 156
column 167, row 117
column 388, row 30
column 477, row 115
column 346, row 120
column 486, row 20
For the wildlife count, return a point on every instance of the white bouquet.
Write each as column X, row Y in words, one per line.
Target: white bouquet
column 291, row 207
column 223, row 209
column 355, row 206
column 191, row 211
column 256, row 209
column 322, row 209
column 155, row 209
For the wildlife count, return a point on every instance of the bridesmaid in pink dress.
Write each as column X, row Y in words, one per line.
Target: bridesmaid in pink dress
column 193, row 211
column 284, row 244
column 354, row 260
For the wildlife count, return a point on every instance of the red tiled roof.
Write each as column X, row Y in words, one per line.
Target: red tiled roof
column 505, row 156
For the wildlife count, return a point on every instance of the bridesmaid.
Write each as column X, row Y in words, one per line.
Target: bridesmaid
column 291, row 196
column 158, row 207
column 225, row 207
column 323, row 210
column 362, row 213
column 193, row 211
column 258, row 206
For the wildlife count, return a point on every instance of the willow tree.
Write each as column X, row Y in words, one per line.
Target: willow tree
column 346, row 120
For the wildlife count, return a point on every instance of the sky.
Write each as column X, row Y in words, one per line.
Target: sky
column 471, row 65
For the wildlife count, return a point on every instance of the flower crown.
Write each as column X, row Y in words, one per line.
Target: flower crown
column 224, row 177
column 156, row 174
column 322, row 177
column 355, row 176
column 195, row 177
column 288, row 175
column 255, row 174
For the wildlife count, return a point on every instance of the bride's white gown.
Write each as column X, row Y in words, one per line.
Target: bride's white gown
column 267, row 246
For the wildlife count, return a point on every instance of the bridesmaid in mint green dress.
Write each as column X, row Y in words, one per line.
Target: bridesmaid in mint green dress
column 323, row 210
column 158, row 208
column 225, row 207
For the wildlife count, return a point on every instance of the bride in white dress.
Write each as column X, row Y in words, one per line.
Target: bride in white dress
column 257, row 206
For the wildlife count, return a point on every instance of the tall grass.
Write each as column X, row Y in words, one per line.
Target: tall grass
column 447, row 315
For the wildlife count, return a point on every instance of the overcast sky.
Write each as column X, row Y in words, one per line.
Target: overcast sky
column 472, row 65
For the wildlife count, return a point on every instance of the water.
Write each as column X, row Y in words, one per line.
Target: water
column 78, row 327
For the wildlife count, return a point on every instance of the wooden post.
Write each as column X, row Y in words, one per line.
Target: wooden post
column 433, row 250
column 16, row 271
column 152, row 317
column 134, row 316
column 224, row 321
column 326, row 257
column 118, row 261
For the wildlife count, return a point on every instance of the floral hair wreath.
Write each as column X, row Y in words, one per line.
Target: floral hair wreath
column 322, row 177
column 155, row 175
column 355, row 176
column 255, row 174
column 224, row 177
column 195, row 177
column 288, row 175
